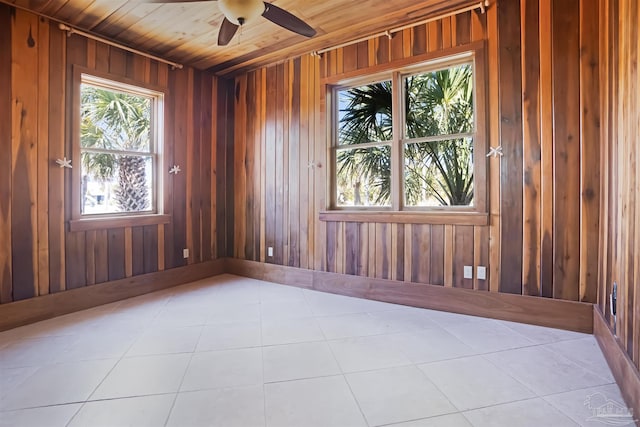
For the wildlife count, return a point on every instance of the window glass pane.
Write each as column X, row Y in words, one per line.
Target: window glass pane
column 113, row 183
column 364, row 114
column 439, row 102
column 114, row 120
column 364, row 176
column 439, row 173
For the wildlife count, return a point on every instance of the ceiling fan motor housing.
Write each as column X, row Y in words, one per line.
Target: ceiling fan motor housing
column 241, row 11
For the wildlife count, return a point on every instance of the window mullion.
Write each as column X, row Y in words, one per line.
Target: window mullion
column 396, row 145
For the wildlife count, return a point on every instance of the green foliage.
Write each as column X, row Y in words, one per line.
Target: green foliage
column 116, row 121
column 367, row 118
column 437, row 104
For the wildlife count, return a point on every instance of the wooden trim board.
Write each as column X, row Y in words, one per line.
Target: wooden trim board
column 623, row 369
column 561, row 314
column 570, row 315
column 32, row 310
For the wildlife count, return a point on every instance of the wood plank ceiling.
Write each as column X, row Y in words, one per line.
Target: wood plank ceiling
column 187, row 32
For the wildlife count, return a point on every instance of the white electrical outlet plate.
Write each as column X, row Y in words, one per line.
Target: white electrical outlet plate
column 270, row 251
column 185, row 253
column 468, row 272
column 482, row 273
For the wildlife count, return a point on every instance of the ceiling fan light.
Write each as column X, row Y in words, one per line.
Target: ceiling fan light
column 241, row 11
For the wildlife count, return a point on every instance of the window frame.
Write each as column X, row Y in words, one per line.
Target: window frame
column 156, row 215
column 398, row 211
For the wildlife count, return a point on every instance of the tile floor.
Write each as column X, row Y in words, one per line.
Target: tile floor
column 231, row 351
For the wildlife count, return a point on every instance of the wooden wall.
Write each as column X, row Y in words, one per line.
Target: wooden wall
column 620, row 162
column 542, row 237
column 38, row 253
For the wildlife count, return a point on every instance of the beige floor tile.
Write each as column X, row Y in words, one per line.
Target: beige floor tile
column 367, row 353
column 593, row 406
column 396, row 395
column 525, row 413
column 354, row 325
column 298, row 361
column 145, row 375
column 287, row 309
column 237, row 407
column 166, row 341
column 406, row 319
column 488, row 336
column 586, row 353
column 317, row 402
column 430, row 345
column 58, row 384
column 48, row 416
column 286, row 331
column 452, row 420
column 473, row 382
column 542, row 335
column 234, row 313
column 147, row 411
column 229, row 336
column 221, row 369
column 12, row 377
column 544, row 371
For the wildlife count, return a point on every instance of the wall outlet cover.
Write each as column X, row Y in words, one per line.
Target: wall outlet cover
column 482, row 273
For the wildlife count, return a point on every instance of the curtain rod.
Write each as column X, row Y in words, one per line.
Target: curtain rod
column 389, row 33
column 71, row 30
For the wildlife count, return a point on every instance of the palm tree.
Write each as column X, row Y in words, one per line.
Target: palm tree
column 367, row 119
column 117, row 121
column 437, row 104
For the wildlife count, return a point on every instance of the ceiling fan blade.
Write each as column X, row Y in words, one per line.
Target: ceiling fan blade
column 287, row 20
column 227, row 31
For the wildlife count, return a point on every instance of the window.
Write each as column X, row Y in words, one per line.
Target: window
column 117, row 147
column 411, row 139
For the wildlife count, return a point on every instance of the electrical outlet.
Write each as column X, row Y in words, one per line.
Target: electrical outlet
column 468, row 272
column 482, row 272
column 185, row 253
column 270, row 251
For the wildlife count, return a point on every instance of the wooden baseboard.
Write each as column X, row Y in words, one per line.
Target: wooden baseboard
column 624, row 371
column 570, row 315
column 48, row 306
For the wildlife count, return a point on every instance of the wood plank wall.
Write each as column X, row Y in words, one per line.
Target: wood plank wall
column 543, row 89
column 620, row 162
column 38, row 255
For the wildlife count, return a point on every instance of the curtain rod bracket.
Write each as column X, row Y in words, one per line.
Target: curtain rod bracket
column 66, row 28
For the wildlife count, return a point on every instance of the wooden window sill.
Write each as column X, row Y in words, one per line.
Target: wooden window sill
column 85, row 224
column 407, row 217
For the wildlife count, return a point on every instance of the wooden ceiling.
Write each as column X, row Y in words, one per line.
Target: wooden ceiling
column 187, row 32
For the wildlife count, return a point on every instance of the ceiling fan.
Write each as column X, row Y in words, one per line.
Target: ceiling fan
column 239, row 12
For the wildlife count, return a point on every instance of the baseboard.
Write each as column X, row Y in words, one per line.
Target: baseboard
column 561, row 314
column 624, row 371
column 47, row 306
column 570, row 315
